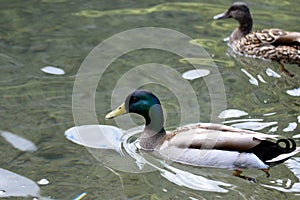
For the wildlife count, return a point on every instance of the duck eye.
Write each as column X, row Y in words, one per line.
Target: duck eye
column 134, row 99
column 233, row 8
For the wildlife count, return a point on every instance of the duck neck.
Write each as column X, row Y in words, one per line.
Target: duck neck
column 245, row 25
column 154, row 130
column 244, row 28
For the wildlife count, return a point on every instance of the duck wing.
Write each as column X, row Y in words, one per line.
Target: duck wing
column 214, row 136
column 278, row 37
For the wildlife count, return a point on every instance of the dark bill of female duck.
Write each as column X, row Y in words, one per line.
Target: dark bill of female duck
column 204, row 144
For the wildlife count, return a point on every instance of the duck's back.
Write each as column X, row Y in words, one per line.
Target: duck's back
column 270, row 44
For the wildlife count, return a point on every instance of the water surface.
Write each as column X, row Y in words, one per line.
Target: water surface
column 37, row 106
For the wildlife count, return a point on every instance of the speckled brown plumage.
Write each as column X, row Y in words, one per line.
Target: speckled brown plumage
column 271, row 44
column 263, row 44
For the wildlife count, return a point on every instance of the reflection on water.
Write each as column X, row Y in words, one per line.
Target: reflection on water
column 110, row 138
column 254, row 125
column 18, row 142
column 15, row 185
column 194, row 74
column 288, row 185
column 192, row 181
column 252, row 80
column 271, row 73
column 53, row 70
column 291, row 127
column 248, row 123
column 230, row 113
column 8, row 62
column 294, row 92
column 175, row 6
column 96, row 136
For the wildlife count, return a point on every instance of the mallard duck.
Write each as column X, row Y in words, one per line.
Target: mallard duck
column 271, row 44
column 205, row 145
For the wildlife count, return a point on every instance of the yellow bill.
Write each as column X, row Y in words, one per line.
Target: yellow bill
column 118, row 111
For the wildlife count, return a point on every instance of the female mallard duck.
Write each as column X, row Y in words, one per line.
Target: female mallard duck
column 207, row 145
column 271, row 44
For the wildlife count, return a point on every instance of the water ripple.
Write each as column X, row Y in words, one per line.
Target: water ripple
column 88, row 135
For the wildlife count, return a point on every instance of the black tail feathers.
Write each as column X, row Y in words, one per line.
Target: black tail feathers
column 289, row 145
column 268, row 150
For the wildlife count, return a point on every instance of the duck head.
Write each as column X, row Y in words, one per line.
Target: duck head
column 237, row 11
column 145, row 104
column 240, row 12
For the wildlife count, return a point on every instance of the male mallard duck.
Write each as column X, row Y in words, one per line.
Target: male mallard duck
column 207, row 145
column 271, row 44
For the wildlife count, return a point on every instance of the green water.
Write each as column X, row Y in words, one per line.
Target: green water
column 60, row 33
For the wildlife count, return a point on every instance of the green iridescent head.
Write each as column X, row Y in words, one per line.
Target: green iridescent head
column 144, row 103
